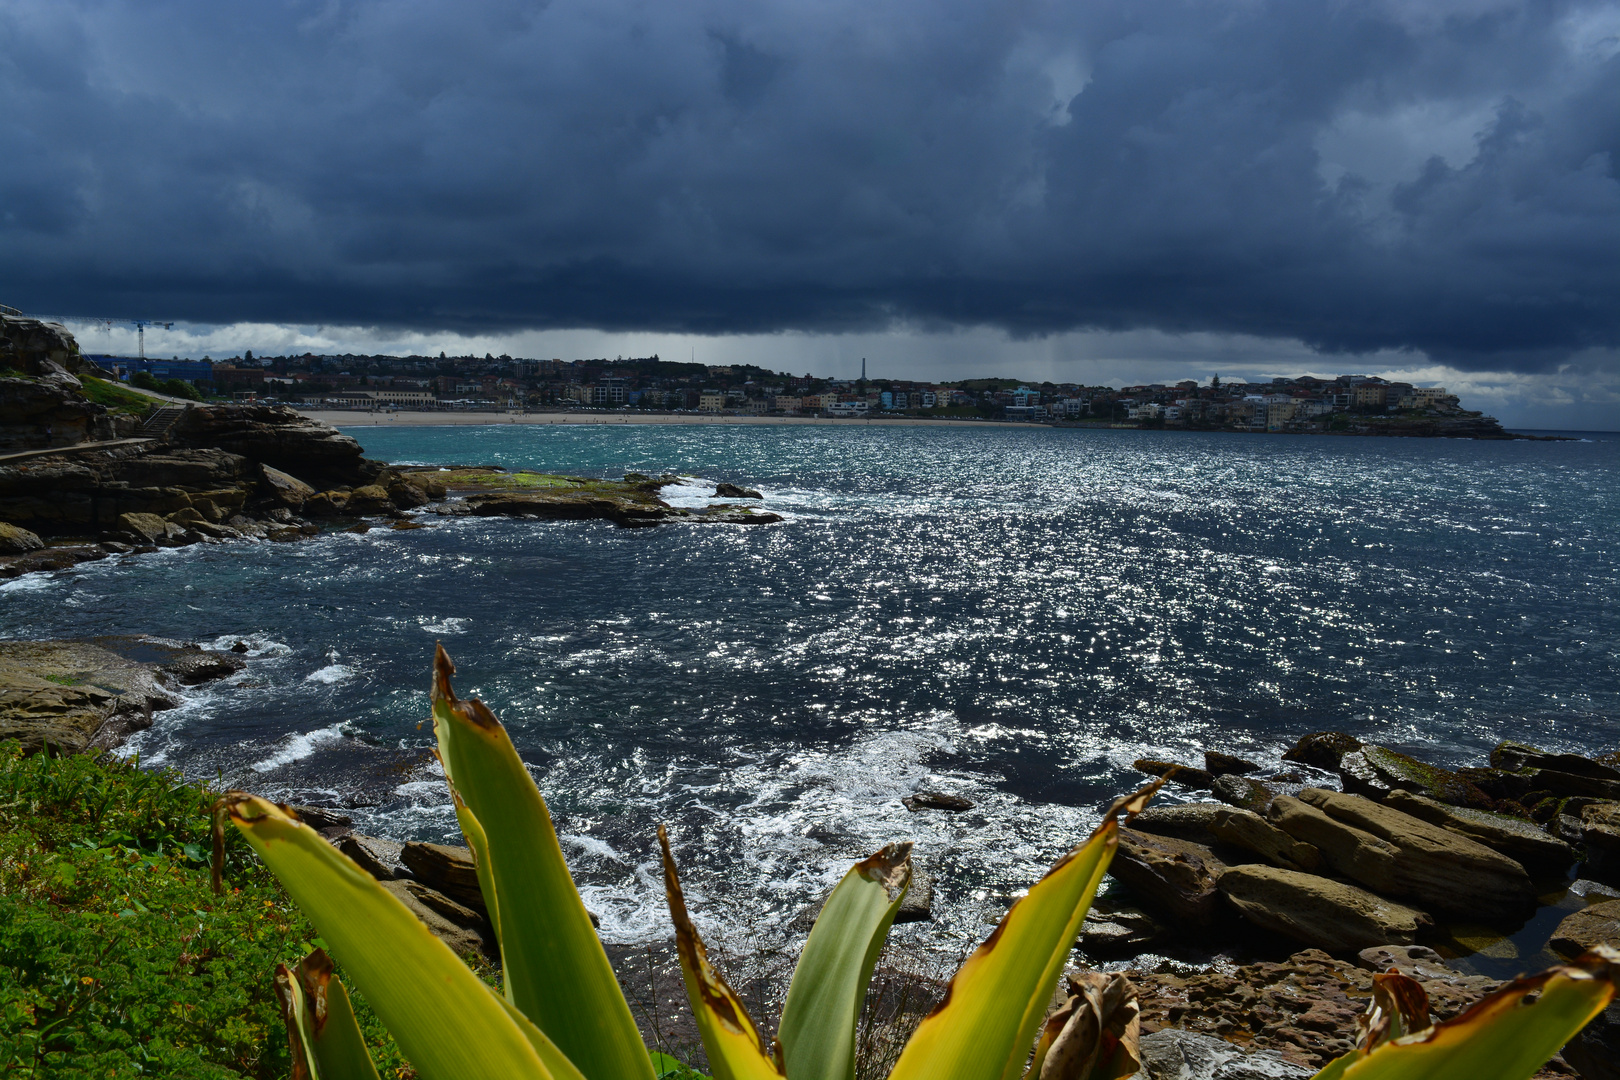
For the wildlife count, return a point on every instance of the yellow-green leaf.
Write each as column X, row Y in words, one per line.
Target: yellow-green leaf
column 340, row 1049
column 828, row 991
column 729, row 1035
column 447, row 1022
column 984, row 1028
column 555, row 969
column 1501, row 1037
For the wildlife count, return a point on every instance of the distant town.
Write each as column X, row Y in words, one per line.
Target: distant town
column 1348, row 404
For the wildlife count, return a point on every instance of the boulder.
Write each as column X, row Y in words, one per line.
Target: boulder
column 1175, row 879
column 918, row 906
column 1413, row 961
column 15, row 540
column 1118, row 931
column 1189, row 821
column 376, row 856
column 1323, row 749
column 1595, row 1052
column 1600, row 832
column 369, row 500
column 285, row 489
column 331, row 824
column 936, row 800
column 1325, row 914
column 1532, row 848
column 405, row 496
column 1185, row 775
column 462, row 940
column 1219, row 764
column 1241, row 791
column 1517, row 757
column 327, row 504
column 1251, row 832
column 1173, row 1054
column 1400, row 856
column 148, row 527
column 732, row 491
column 1596, row 925
column 1375, row 771
column 449, row 869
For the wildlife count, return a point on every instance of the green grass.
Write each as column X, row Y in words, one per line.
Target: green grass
column 116, row 958
column 116, row 398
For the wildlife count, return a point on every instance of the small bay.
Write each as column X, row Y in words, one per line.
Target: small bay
column 1013, row 615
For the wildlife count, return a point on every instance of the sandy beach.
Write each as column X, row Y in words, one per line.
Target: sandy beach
column 360, row 418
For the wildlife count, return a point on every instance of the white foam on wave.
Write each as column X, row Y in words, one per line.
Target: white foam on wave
column 257, row 644
column 297, row 747
column 331, row 674
column 38, row 581
column 452, row 625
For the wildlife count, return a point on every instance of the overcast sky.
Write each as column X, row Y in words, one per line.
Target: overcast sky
column 1103, row 191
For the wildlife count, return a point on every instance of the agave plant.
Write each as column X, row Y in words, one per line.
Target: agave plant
column 561, row 1014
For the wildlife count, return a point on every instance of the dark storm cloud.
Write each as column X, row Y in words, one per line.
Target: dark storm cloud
column 1439, row 176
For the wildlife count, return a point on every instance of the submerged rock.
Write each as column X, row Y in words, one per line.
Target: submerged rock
column 936, row 800
column 1319, row 912
column 732, row 491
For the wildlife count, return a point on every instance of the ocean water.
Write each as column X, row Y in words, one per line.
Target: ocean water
column 1010, row 614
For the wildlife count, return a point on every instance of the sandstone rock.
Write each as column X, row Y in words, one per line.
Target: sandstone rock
column 186, row 516
column 1375, row 771
column 1595, row 1052
column 1248, row 830
column 425, row 482
column 448, row 869
column 1241, row 791
column 15, row 540
column 327, row 504
column 573, row 506
column 1413, row 961
column 148, row 527
column 1323, row 749
column 732, row 491
column 1317, row 911
column 1519, row 840
column 1189, row 821
column 1174, row 1054
column 405, row 496
column 1600, row 832
column 1518, row 757
column 1119, row 931
column 918, row 905
column 322, row 819
column 461, row 939
column 277, row 436
column 936, row 800
column 370, row 499
column 69, row 694
column 378, row 857
column 1400, row 856
column 1219, row 764
column 287, row 490
column 1175, row 879
column 718, row 514
column 1185, row 775
column 1596, row 925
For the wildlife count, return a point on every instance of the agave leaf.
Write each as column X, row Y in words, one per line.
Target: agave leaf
column 985, row 1026
column 555, row 969
column 295, row 1013
column 446, row 1021
column 1500, row 1037
column 729, row 1035
column 478, row 844
column 824, row 1002
column 340, row 1049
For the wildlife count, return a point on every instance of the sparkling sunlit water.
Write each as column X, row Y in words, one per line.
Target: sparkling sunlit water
column 1011, row 614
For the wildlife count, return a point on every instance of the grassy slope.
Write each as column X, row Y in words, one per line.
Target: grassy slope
column 116, row 958
column 116, row 398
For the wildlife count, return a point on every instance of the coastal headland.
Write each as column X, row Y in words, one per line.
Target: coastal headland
column 452, row 418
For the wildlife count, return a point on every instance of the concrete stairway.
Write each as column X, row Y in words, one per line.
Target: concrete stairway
column 158, row 424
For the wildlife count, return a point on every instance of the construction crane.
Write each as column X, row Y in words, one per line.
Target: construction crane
column 106, row 322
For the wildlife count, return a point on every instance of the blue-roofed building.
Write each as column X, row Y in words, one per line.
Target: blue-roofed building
column 189, row 370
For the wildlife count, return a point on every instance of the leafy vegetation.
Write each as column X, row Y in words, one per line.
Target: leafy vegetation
column 116, row 398
column 116, row 957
